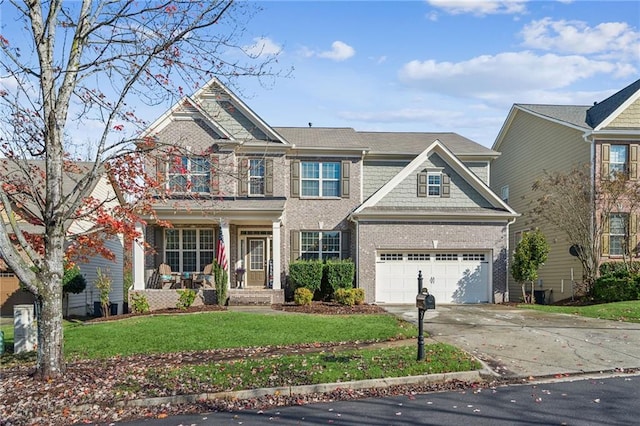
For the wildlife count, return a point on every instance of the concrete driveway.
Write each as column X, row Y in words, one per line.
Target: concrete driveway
column 524, row 343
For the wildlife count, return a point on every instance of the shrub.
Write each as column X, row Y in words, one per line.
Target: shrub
column 619, row 269
column 611, row 288
column 186, row 299
column 220, row 276
column 306, row 273
column 139, row 303
column 358, row 294
column 345, row 296
column 339, row 273
column 103, row 284
column 302, row 296
column 73, row 281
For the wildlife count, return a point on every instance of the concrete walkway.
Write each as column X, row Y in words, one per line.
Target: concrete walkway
column 527, row 343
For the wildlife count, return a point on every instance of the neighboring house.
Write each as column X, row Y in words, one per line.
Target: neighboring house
column 556, row 138
column 394, row 203
column 82, row 303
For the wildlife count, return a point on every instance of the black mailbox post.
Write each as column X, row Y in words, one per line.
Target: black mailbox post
column 424, row 301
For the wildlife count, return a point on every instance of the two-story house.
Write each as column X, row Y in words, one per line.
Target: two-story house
column 557, row 138
column 394, row 203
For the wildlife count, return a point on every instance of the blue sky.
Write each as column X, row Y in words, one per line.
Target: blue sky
column 429, row 65
column 439, row 65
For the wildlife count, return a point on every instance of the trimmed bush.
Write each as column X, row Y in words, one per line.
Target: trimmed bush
column 345, row 296
column 306, row 273
column 186, row 299
column 358, row 295
column 611, row 288
column 139, row 303
column 339, row 273
column 619, row 269
column 302, row 296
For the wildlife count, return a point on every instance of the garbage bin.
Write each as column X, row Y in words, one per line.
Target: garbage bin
column 540, row 297
column 97, row 309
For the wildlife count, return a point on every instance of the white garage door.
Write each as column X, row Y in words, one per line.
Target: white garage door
column 450, row 277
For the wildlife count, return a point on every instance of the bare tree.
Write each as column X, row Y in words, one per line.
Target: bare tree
column 581, row 207
column 89, row 63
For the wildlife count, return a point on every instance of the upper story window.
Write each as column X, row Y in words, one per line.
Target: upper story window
column 504, row 193
column 618, row 159
column 189, row 174
column 434, row 184
column 434, row 180
column 320, row 179
column 256, row 176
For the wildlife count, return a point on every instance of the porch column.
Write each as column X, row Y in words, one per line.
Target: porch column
column 224, row 226
column 137, row 259
column 275, row 256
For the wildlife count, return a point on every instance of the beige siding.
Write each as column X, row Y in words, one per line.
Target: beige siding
column 629, row 118
column 531, row 146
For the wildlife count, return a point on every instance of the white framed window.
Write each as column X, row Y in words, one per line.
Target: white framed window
column 618, row 225
column 189, row 250
column 434, row 182
column 473, row 256
column 256, row 176
column 391, row 256
column 189, row 174
column 618, row 159
column 320, row 179
column 504, row 193
column 418, row 256
column 317, row 245
column 447, row 257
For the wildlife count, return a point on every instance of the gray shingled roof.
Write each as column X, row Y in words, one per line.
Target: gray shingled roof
column 321, row 137
column 379, row 142
column 600, row 111
column 570, row 114
column 416, row 142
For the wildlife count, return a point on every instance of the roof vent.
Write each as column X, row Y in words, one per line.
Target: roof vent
column 310, row 124
column 595, row 103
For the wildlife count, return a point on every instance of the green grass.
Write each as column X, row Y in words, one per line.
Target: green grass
column 215, row 330
column 619, row 311
column 293, row 370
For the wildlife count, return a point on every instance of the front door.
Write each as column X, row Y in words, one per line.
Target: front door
column 256, row 273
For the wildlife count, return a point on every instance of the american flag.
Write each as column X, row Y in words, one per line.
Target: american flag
column 221, row 253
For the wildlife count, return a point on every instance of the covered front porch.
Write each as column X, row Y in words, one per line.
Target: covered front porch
column 247, row 243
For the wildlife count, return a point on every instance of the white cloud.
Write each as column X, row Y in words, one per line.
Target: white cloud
column 339, row 51
column 505, row 77
column 480, row 8
column 262, row 46
column 613, row 39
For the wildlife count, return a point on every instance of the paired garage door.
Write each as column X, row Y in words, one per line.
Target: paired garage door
column 451, row 277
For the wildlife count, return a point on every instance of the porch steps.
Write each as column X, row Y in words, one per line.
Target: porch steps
column 249, row 296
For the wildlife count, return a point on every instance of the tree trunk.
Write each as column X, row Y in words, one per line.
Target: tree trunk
column 50, row 334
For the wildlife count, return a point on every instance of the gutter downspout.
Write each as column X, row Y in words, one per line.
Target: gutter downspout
column 589, row 138
column 509, row 223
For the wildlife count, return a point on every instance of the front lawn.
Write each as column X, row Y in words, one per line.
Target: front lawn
column 226, row 329
column 223, row 329
column 619, row 311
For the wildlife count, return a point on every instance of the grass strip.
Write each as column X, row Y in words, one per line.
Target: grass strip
column 619, row 311
column 307, row 369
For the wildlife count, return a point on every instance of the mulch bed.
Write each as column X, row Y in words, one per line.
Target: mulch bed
column 319, row 308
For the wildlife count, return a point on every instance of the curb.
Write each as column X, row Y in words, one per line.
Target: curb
column 470, row 376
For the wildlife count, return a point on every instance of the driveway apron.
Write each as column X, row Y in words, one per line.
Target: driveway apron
column 527, row 343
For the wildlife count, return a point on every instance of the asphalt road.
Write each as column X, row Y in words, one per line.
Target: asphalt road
column 590, row 401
